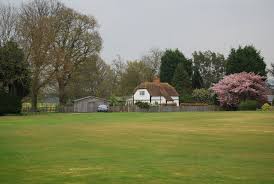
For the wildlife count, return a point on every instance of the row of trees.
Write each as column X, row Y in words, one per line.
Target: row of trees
column 207, row 68
column 55, row 41
column 57, row 51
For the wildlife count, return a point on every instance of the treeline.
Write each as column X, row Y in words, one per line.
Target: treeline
column 50, row 49
column 55, row 41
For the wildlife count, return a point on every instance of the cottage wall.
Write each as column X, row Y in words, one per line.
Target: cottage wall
column 154, row 99
column 158, row 100
column 144, row 98
column 176, row 100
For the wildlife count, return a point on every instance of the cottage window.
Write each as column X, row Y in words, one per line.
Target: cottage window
column 142, row 93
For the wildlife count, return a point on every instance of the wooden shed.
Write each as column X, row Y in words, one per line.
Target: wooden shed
column 88, row 104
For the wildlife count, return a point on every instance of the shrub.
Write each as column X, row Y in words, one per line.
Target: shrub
column 186, row 98
column 143, row 105
column 113, row 100
column 9, row 104
column 201, row 95
column 248, row 105
column 266, row 107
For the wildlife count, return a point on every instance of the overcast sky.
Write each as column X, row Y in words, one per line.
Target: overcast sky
column 131, row 27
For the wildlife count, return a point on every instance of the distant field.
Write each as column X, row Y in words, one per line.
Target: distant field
column 129, row 148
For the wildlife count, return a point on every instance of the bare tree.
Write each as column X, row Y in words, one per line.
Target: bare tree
column 153, row 60
column 36, row 33
column 77, row 39
column 92, row 77
column 135, row 73
column 8, row 18
column 118, row 67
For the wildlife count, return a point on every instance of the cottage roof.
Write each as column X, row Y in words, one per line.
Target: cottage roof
column 158, row 89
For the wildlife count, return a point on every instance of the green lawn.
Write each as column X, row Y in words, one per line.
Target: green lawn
column 128, row 148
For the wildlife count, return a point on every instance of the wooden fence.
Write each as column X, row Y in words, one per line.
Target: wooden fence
column 49, row 108
column 184, row 108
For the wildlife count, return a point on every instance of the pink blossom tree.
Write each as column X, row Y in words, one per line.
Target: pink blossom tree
column 233, row 89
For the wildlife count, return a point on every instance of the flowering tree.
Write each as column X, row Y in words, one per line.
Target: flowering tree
column 239, row 87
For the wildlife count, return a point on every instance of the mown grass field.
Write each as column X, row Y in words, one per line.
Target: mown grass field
column 129, row 148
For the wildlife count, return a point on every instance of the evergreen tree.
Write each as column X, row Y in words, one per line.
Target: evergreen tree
column 181, row 80
column 14, row 78
column 14, row 73
column 169, row 62
column 245, row 59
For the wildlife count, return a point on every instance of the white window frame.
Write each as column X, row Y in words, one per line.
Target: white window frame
column 142, row 93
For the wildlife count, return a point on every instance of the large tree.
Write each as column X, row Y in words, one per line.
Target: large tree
column 169, row 62
column 93, row 77
column 135, row 73
column 36, row 32
column 14, row 72
column 118, row 68
column 76, row 40
column 14, row 77
column 153, row 60
column 211, row 66
column 245, row 59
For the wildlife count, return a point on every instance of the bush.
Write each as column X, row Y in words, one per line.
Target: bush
column 266, row 107
column 201, row 95
column 248, row 105
column 186, row 98
column 143, row 105
column 113, row 100
column 9, row 104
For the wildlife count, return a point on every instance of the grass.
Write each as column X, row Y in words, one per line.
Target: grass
column 153, row 148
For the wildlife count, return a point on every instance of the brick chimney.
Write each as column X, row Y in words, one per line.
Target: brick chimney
column 156, row 80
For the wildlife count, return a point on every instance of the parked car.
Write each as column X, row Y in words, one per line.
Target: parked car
column 102, row 108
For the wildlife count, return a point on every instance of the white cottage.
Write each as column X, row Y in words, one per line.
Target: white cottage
column 156, row 93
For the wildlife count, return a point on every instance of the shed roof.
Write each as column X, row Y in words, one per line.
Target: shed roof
column 89, row 97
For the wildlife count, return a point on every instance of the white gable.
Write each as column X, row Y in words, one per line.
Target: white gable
column 142, row 95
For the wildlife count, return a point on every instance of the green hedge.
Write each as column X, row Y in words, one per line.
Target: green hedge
column 9, row 104
column 248, row 105
column 187, row 98
column 143, row 105
column 201, row 95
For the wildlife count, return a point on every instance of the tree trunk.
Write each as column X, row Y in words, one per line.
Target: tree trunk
column 34, row 101
column 62, row 95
